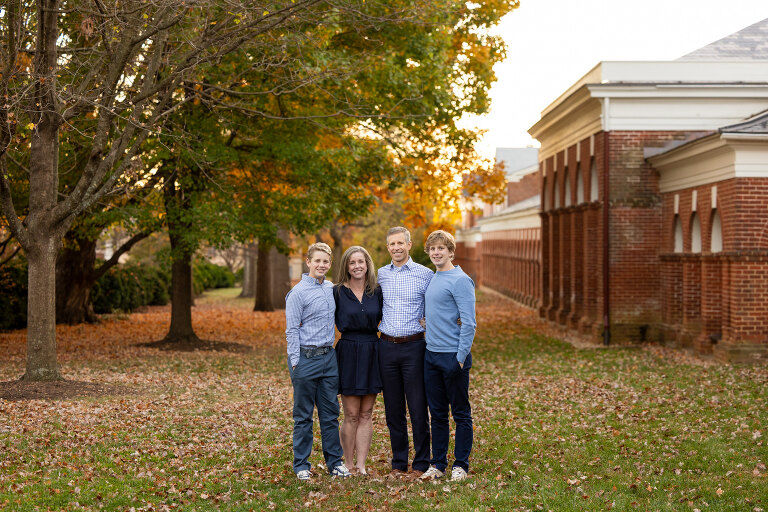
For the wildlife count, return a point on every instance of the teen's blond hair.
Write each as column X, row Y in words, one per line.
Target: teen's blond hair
column 319, row 246
column 441, row 237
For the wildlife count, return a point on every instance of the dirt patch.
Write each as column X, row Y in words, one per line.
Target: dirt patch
column 197, row 345
column 16, row 390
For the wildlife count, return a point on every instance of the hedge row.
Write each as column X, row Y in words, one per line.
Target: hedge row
column 124, row 288
column 127, row 287
column 13, row 294
column 207, row 276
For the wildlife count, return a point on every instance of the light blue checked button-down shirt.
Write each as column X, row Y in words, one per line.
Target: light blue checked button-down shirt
column 403, row 289
column 309, row 316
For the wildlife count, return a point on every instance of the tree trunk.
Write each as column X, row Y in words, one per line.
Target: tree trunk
column 336, row 231
column 249, row 271
column 75, row 276
column 41, row 309
column 281, row 278
column 178, row 212
column 44, row 235
column 263, row 280
column 181, row 302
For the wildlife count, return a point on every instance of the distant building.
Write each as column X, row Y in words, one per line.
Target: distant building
column 654, row 210
column 500, row 248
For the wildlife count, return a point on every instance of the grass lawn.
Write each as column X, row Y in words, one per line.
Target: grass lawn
column 556, row 428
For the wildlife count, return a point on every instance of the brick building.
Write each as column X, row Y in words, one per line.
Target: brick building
column 654, row 201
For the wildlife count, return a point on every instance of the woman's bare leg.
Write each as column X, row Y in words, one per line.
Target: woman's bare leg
column 364, row 430
column 349, row 427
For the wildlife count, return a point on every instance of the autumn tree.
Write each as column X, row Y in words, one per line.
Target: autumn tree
column 121, row 64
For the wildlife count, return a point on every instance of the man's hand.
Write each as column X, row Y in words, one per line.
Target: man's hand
column 423, row 322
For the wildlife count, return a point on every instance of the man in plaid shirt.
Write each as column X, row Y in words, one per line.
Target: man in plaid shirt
column 401, row 352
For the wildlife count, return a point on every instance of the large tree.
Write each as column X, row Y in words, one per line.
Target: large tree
column 121, row 64
column 120, row 71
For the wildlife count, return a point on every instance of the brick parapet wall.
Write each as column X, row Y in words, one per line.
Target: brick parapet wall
column 469, row 259
column 526, row 188
column 513, row 258
column 724, row 295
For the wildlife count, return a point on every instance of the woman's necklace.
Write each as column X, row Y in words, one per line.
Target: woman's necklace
column 359, row 292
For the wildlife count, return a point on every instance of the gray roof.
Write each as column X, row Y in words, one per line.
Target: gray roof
column 755, row 124
column 758, row 124
column 750, row 43
column 517, row 159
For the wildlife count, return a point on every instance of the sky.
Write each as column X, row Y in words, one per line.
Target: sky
column 553, row 43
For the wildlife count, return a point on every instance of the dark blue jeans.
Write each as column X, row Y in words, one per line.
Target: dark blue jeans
column 447, row 386
column 315, row 383
column 402, row 376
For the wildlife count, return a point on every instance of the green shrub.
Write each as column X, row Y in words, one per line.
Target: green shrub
column 127, row 287
column 206, row 276
column 13, row 294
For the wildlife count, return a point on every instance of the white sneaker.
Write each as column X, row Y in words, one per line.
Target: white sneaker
column 432, row 474
column 341, row 471
column 458, row 474
column 304, row 474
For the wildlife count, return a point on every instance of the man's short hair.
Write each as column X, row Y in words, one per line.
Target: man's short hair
column 441, row 237
column 319, row 246
column 399, row 229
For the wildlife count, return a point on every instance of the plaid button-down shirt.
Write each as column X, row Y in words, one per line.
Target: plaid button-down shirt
column 309, row 316
column 403, row 289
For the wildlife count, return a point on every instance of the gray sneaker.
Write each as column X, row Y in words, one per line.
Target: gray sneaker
column 304, row 474
column 341, row 471
column 458, row 474
column 432, row 474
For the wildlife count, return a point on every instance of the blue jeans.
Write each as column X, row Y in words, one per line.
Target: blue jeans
column 447, row 385
column 315, row 383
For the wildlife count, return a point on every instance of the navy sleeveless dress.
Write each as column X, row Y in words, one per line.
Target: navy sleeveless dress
column 358, row 349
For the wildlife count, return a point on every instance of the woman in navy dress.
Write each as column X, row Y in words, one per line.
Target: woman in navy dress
column 358, row 312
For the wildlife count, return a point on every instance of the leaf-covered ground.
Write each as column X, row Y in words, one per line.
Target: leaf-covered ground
column 556, row 428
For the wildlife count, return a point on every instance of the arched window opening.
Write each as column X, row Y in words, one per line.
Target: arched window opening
column 695, row 234
column 593, row 182
column 716, row 240
column 678, row 234
column 557, row 203
column 579, row 185
column 567, row 198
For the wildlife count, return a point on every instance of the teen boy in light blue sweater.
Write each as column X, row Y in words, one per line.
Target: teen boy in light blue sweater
column 450, row 296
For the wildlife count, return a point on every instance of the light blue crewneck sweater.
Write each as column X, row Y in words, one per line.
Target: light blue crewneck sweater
column 450, row 295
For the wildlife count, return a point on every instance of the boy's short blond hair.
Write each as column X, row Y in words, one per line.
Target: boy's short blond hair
column 319, row 246
column 441, row 237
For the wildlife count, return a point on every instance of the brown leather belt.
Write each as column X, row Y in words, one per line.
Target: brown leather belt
column 403, row 339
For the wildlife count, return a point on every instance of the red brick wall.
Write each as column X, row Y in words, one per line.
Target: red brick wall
column 572, row 263
column 722, row 295
column 513, row 258
column 524, row 189
column 468, row 258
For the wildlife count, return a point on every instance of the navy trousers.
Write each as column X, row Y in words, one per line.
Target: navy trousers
column 402, row 375
column 315, row 383
column 447, row 386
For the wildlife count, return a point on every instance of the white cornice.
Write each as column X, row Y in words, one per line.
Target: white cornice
column 521, row 219
column 668, row 96
column 712, row 159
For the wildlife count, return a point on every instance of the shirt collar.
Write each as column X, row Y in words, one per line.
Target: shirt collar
column 311, row 280
column 407, row 264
